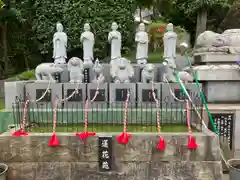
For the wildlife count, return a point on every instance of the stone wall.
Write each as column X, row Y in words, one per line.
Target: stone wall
column 30, row 158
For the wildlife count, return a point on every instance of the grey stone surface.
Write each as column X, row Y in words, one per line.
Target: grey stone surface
column 140, row 92
column 77, row 99
column 171, row 102
column 56, row 92
column 112, row 93
column 30, row 158
column 216, row 58
column 103, row 92
column 13, row 90
column 222, row 91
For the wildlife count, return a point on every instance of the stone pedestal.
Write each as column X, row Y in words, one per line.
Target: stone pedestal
column 65, row 74
column 118, row 94
column 77, row 101
column 13, row 91
column 35, row 90
column 144, row 94
column 101, row 101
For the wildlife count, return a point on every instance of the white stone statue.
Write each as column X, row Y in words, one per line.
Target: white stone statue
column 46, row 71
column 122, row 71
column 148, row 73
column 226, row 43
column 115, row 39
column 141, row 39
column 87, row 39
column 185, row 77
column 60, row 45
column 75, row 68
column 98, row 71
column 170, row 42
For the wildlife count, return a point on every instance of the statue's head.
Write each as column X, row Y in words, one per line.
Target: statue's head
column 75, row 61
column 87, row 27
column 97, row 68
column 57, row 68
column 141, row 27
column 122, row 63
column 114, row 26
column 59, row 27
column 149, row 68
column 170, row 27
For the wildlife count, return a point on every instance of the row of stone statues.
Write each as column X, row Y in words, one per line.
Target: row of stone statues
column 87, row 40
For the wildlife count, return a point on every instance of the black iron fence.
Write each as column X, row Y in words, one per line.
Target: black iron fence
column 107, row 117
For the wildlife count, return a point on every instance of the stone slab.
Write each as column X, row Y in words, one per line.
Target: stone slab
column 216, row 58
column 218, row 72
column 101, row 100
column 169, row 101
column 33, row 93
column 144, row 94
column 222, row 91
column 78, row 100
column 13, row 91
column 118, row 94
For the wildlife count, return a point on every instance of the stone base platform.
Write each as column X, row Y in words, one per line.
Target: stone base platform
column 30, row 158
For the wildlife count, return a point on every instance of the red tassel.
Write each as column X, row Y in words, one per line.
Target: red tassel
column 83, row 136
column 161, row 144
column 123, row 138
column 53, row 141
column 19, row 133
column 191, row 143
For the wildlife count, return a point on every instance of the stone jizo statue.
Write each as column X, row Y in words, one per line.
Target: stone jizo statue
column 46, row 71
column 115, row 39
column 122, row 71
column 170, row 42
column 87, row 39
column 75, row 68
column 60, row 45
column 98, row 71
column 141, row 39
column 148, row 73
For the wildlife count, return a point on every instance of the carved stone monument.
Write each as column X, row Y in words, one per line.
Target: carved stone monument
column 75, row 68
column 141, row 39
column 169, row 41
column 87, row 39
column 121, row 71
column 148, row 74
column 98, row 73
column 45, row 72
column 115, row 39
column 60, row 45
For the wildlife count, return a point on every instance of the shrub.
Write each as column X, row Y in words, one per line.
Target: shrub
column 27, row 75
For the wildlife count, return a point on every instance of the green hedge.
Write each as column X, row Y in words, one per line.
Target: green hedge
column 73, row 14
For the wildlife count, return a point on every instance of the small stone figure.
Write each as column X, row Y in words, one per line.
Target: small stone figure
column 148, row 73
column 75, row 68
column 170, row 41
column 59, row 45
column 122, row 71
column 185, row 77
column 46, row 72
column 142, row 45
column 97, row 69
column 115, row 39
column 88, row 40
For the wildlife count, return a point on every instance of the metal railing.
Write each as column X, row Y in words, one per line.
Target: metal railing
column 106, row 117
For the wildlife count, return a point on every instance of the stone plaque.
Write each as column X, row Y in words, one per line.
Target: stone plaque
column 105, row 153
column 46, row 98
column 147, row 95
column 224, row 125
column 181, row 95
column 86, row 74
column 76, row 97
column 121, row 94
column 101, row 95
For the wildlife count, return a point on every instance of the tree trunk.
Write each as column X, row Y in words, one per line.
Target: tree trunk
column 5, row 48
column 201, row 22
